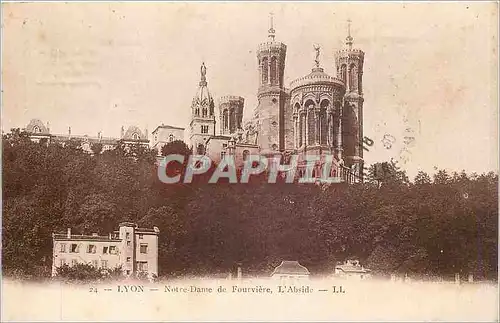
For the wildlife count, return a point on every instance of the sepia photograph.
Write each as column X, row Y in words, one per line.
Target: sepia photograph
column 249, row 161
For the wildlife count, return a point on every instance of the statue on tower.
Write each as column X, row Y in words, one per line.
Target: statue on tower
column 317, row 48
column 203, row 71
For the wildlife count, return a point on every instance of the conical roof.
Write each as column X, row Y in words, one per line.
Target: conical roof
column 203, row 96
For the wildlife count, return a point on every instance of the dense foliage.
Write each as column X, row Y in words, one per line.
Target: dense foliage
column 431, row 226
column 86, row 273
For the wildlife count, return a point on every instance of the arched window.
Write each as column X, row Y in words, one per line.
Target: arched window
column 302, row 129
column 245, row 154
column 343, row 72
column 200, row 150
column 274, row 70
column 36, row 129
column 353, row 78
column 171, row 137
column 204, row 112
column 197, row 112
column 323, row 122
column 135, row 136
column 297, row 135
column 225, row 120
column 265, row 68
column 232, row 119
column 311, row 122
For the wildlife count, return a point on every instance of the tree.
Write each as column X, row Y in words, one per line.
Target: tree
column 422, row 178
column 176, row 147
column 96, row 148
column 85, row 273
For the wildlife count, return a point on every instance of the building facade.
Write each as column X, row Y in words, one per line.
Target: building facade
column 133, row 249
column 318, row 114
column 353, row 270
column 39, row 132
column 165, row 134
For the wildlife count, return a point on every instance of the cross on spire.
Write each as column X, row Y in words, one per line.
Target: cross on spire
column 349, row 38
column 271, row 28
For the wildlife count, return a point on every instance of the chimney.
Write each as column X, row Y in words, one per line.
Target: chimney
column 48, row 127
column 239, row 272
column 122, row 132
column 69, row 132
column 69, row 233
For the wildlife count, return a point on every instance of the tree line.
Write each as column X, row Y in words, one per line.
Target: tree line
column 433, row 225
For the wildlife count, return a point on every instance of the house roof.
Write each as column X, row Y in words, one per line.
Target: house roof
column 162, row 126
column 352, row 269
column 290, row 268
column 74, row 237
column 218, row 137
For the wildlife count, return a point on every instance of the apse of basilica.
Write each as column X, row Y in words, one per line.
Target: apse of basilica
column 317, row 114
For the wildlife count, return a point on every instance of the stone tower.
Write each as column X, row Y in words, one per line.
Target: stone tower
column 271, row 94
column 202, row 124
column 231, row 114
column 349, row 63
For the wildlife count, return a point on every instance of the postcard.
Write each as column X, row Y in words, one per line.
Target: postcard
column 249, row 161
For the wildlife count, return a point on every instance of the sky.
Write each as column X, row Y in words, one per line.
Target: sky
column 430, row 71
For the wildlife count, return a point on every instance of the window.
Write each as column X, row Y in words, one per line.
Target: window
column 265, row 66
column 104, row 263
column 94, row 263
column 128, row 243
column 74, row 262
column 104, row 250
column 222, row 154
column 204, row 129
column 91, row 248
column 245, row 154
column 142, row 266
column 200, row 150
column 112, row 250
column 128, row 272
column 63, row 247
column 171, row 137
column 135, row 136
column 74, row 248
column 141, row 236
column 127, row 235
column 62, row 262
column 144, row 248
column 128, row 259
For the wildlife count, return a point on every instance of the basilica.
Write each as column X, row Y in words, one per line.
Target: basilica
column 317, row 114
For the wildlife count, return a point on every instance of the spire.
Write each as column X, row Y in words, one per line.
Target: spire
column 349, row 39
column 203, row 70
column 271, row 29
